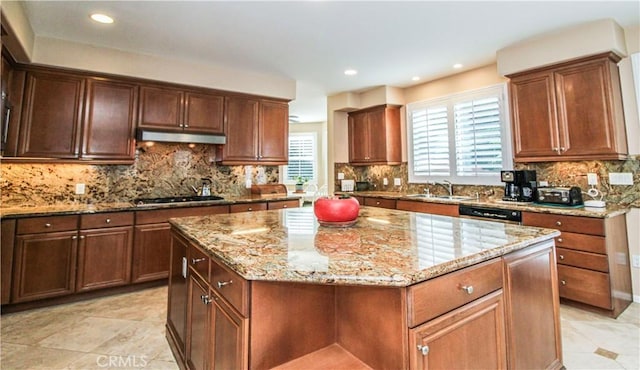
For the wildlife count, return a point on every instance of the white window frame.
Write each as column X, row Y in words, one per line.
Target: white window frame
column 284, row 170
column 450, row 101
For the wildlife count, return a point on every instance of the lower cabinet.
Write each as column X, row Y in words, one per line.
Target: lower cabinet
column 229, row 336
column 428, row 207
column 198, row 323
column 7, row 233
column 177, row 297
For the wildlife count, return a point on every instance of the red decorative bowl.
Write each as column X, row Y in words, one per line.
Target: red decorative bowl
column 336, row 211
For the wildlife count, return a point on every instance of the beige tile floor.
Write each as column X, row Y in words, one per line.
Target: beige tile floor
column 127, row 332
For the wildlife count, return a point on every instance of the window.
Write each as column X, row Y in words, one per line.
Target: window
column 302, row 157
column 463, row 138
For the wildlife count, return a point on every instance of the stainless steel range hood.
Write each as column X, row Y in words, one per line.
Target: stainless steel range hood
column 180, row 137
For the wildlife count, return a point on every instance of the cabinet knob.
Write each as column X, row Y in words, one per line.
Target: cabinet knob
column 74, row 237
column 185, row 126
column 196, row 260
column 563, row 149
column 181, row 125
column 559, row 223
column 47, row 225
column 423, row 349
column 284, row 206
column 560, row 240
column 563, row 282
column 108, row 220
column 467, row 288
column 561, row 257
column 377, row 203
column 223, row 283
column 81, row 236
column 205, row 299
column 250, row 209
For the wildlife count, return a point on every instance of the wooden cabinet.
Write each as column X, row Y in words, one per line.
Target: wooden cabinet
column 379, row 202
column 173, row 109
column 104, row 237
column 177, row 297
column 592, row 257
column 109, row 120
column 198, row 323
column 257, row 132
column 570, row 111
column 532, row 309
column 471, row 337
column 281, row 204
column 52, row 115
column 7, row 235
column 229, row 336
column 152, row 240
column 45, row 257
column 428, row 207
column 248, row 207
column 374, row 136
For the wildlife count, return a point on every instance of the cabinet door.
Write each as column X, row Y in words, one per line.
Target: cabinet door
column 104, row 258
column 377, row 137
column 160, row 108
column 198, row 331
column 534, row 117
column 532, row 308
column 44, row 265
column 471, row 337
column 241, row 129
column 358, row 138
column 584, row 110
column 110, row 120
column 230, row 336
column 151, row 252
column 7, row 233
column 204, row 113
column 51, row 116
column 177, row 295
column 273, row 133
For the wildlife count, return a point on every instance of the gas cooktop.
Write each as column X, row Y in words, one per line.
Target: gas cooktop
column 183, row 199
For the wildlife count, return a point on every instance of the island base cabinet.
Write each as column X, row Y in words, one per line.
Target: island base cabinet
column 230, row 334
column 470, row 337
column 177, row 297
column 198, row 326
column 533, row 308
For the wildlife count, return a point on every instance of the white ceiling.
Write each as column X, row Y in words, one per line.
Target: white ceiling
column 313, row 42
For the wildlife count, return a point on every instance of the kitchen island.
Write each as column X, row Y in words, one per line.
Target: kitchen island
column 397, row 290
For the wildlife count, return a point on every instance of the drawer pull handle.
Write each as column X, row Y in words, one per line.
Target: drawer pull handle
column 223, row 283
column 108, row 220
column 467, row 288
column 196, row 260
column 205, row 299
column 559, row 223
column 377, row 203
column 250, row 209
column 47, row 225
column 74, row 237
column 423, row 349
column 563, row 282
column 561, row 257
column 81, row 236
column 284, row 206
column 559, row 240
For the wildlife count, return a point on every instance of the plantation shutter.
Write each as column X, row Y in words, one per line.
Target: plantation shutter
column 478, row 137
column 301, row 157
column 430, row 141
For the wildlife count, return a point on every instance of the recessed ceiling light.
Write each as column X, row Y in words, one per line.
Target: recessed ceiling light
column 350, row 72
column 101, row 18
column 457, row 66
column 415, row 78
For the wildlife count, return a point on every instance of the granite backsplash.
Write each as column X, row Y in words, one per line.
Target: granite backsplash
column 160, row 170
column 555, row 173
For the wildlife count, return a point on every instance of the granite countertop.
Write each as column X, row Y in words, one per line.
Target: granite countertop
column 611, row 210
column 384, row 248
column 82, row 208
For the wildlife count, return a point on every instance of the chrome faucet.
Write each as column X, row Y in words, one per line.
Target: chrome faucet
column 445, row 184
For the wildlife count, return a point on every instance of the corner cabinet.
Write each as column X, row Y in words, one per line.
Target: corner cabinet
column 257, row 132
column 570, row 111
column 374, row 136
column 166, row 108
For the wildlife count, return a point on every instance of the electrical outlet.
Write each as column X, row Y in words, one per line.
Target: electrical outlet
column 592, row 179
column 620, row 178
column 385, row 181
column 80, row 188
column 340, row 175
column 635, row 261
column 543, row 183
column 397, row 181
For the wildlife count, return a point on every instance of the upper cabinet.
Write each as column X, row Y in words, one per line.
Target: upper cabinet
column 257, row 132
column 374, row 136
column 172, row 109
column 570, row 111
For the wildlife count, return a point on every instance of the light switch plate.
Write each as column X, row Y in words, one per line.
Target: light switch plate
column 80, row 189
column 385, row 181
column 592, row 179
column 397, row 181
column 620, row 178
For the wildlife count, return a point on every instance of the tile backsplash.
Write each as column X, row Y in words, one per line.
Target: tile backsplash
column 555, row 173
column 158, row 171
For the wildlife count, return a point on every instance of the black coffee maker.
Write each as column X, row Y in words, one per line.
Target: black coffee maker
column 520, row 186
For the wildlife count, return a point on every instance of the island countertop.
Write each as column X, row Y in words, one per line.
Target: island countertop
column 384, row 247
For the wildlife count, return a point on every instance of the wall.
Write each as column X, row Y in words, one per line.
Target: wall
column 159, row 171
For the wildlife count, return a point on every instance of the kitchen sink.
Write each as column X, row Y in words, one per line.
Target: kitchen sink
column 420, row 196
column 448, row 197
column 185, row 199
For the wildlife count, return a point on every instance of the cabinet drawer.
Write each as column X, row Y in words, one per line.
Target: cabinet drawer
column 590, row 287
column 382, row 203
column 49, row 224
column 199, row 262
column 575, row 224
column 100, row 220
column 428, row 207
column 163, row 215
column 248, row 207
column 453, row 290
column 591, row 261
column 582, row 242
column 230, row 286
column 280, row 204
